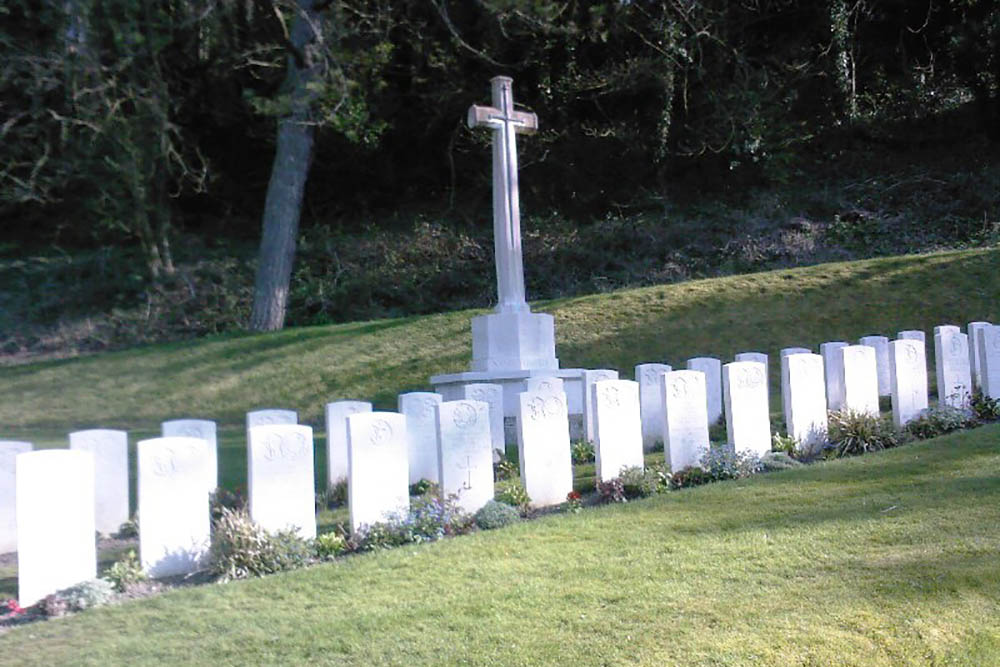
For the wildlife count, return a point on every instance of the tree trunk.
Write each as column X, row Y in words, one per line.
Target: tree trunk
column 293, row 155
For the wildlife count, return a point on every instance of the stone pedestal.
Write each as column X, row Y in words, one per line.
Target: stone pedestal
column 514, row 340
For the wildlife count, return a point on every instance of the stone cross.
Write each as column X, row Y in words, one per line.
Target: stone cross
column 505, row 123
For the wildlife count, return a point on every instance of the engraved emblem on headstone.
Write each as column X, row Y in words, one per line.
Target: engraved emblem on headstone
column 911, row 353
column 467, row 467
column 480, row 395
column 543, row 407
column 956, row 346
column 650, row 374
column 750, row 378
column 464, row 416
column 165, row 463
column 381, row 432
column 545, row 385
column 426, row 409
column 612, row 397
column 679, row 388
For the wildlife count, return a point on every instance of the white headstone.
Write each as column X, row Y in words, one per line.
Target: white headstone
column 174, row 522
column 9, row 449
column 989, row 354
column 110, row 452
column 281, row 478
column 543, row 383
column 651, row 402
column 492, row 396
column 421, row 430
column 378, row 467
column 975, row 332
column 759, row 357
column 56, row 547
column 949, row 328
column 685, row 419
column 336, row 437
column 951, row 361
column 271, row 417
column 785, row 351
column 589, row 379
column 860, row 380
column 465, row 453
column 912, row 334
column 543, row 447
column 712, row 368
column 803, row 394
column 833, row 372
column 881, row 346
column 618, row 427
column 198, row 428
column 908, row 366
column 748, row 423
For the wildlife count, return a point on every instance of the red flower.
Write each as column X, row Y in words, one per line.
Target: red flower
column 573, row 495
column 13, row 607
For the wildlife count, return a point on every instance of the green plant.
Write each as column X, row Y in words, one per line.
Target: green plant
column 582, row 452
column 784, row 443
column 86, row 595
column 574, row 501
column 723, row 463
column 242, row 549
column 421, row 487
column 688, row 477
column 774, row 461
column 223, row 498
column 639, row 482
column 851, row 433
column 611, row 491
column 512, row 493
column 984, row 408
column 495, row 514
column 336, row 495
column 329, row 545
column 129, row 529
column 938, row 420
column 126, row 572
column 505, row 469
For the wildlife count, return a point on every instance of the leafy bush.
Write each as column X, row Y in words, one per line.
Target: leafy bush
column 723, row 463
column 689, row 477
column 126, row 572
column 851, row 433
column 784, row 443
column 505, row 469
column 939, row 420
column 129, row 529
column 329, row 545
column 773, row 461
column 611, row 491
column 495, row 514
column 421, row 487
column 583, row 452
column 223, row 498
column 512, row 493
column 242, row 549
column 984, row 408
column 86, row 595
column 638, row 482
column 430, row 518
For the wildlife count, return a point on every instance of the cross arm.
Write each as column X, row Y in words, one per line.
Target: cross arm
column 524, row 122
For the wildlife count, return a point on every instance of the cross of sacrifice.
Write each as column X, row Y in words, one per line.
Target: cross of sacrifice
column 505, row 123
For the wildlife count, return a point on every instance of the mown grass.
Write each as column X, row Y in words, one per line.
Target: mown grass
column 886, row 559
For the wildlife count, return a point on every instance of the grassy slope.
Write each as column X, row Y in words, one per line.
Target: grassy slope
column 887, row 559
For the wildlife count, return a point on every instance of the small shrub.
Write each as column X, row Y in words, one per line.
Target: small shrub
column 717, row 431
column 574, row 501
column 774, row 461
column 939, row 420
column 688, row 477
column 984, row 408
column 129, row 529
column 430, row 518
column 381, row 535
column 505, row 469
column 329, row 545
column 852, row 433
column 784, row 443
column 722, row 463
column 223, row 498
column 242, row 549
column 512, row 493
column 638, row 482
column 126, row 572
column 421, row 487
column 13, row 608
column 583, row 452
column 89, row 594
column 611, row 491
column 495, row 514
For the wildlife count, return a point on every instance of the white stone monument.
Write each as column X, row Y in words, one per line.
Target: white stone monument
column 56, row 548
column 912, row 334
column 975, row 332
column 280, row 477
column 833, row 372
column 9, row 449
column 785, row 351
column 949, row 328
column 908, row 373
column 271, row 416
column 712, row 368
column 512, row 343
column 803, row 394
column 174, row 522
column 651, row 402
column 989, row 355
column 685, row 419
column 951, row 362
column 881, row 346
column 552, row 385
column 860, row 379
column 378, row 469
column 492, row 395
column 337, row 413
column 110, row 454
column 465, row 453
column 543, row 447
column 748, row 421
column 590, row 378
column 421, row 433
column 205, row 429
column 617, row 427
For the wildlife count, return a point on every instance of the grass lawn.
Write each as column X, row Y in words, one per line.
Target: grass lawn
column 885, row 559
